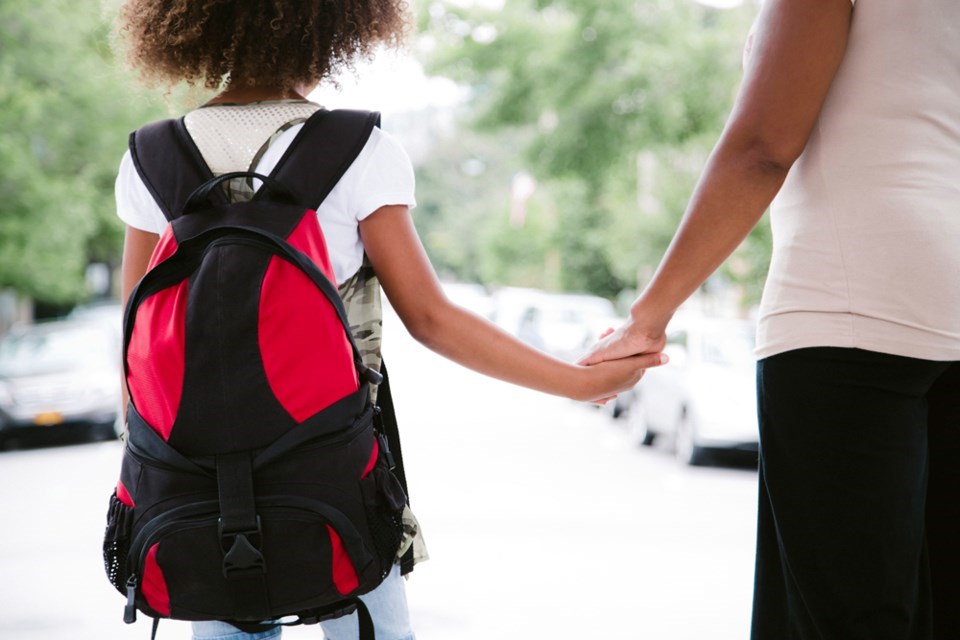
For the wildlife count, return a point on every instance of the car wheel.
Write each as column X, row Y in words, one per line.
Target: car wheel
column 613, row 409
column 685, row 446
column 640, row 432
column 622, row 403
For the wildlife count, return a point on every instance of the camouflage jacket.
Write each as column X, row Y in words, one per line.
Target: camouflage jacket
column 361, row 298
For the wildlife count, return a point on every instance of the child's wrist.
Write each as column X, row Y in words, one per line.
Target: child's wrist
column 577, row 384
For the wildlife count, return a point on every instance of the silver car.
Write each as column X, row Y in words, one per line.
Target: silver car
column 58, row 376
column 562, row 324
column 705, row 398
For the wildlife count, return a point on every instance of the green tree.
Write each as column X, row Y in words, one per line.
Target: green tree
column 472, row 221
column 65, row 113
column 463, row 194
column 620, row 102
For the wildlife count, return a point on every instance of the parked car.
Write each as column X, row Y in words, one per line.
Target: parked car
column 109, row 311
column 562, row 324
column 705, row 398
column 60, row 376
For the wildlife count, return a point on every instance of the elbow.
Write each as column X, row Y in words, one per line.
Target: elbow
column 764, row 151
column 436, row 322
column 424, row 325
column 419, row 329
column 773, row 159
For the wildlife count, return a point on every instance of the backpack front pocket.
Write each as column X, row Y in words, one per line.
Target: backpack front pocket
column 305, row 554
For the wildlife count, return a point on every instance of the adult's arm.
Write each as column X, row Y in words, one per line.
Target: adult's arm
column 796, row 50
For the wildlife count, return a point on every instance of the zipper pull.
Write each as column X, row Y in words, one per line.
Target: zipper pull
column 385, row 447
column 130, row 611
column 382, row 437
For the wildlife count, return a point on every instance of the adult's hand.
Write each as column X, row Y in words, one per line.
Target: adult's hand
column 630, row 339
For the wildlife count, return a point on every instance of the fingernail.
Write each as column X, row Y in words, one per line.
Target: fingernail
column 664, row 358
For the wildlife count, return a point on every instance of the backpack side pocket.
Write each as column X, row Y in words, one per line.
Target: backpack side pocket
column 116, row 542
column 384, row 501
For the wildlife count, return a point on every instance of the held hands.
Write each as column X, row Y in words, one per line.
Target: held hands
column 603, row 381
column 628, row 340
column 622, row 347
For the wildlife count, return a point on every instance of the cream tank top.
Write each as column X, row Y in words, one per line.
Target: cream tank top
column 866, row 229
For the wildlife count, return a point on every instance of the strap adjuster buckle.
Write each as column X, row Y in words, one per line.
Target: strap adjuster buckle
column 242, row 554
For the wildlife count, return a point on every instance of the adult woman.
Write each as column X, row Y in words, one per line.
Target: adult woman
column 850, row 112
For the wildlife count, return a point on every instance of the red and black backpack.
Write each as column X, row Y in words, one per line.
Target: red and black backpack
column 256, row 483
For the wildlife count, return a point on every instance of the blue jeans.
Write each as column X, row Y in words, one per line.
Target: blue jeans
column 387, row 605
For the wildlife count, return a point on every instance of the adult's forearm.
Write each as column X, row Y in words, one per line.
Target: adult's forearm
column 735, row 189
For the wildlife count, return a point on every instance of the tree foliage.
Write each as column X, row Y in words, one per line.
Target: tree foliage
column 65, row 113
column 618, row 103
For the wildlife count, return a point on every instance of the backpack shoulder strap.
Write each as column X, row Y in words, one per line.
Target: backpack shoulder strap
column 323, row 150
column 169, row 163
column 172, row 167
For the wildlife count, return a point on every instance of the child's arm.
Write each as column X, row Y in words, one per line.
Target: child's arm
column 394, row 249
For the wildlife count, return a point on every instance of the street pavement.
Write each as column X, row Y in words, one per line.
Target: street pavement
column 542, row 520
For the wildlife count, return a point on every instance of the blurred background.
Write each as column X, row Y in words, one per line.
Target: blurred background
column 555, row 145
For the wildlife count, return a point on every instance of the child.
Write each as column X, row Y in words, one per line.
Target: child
column 264, row 58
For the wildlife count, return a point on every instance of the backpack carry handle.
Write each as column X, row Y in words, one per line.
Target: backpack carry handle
column 202, row 195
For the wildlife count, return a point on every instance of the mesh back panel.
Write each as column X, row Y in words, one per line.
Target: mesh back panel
column 229, row 136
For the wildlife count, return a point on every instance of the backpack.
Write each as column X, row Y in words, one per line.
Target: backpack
column 256, row 482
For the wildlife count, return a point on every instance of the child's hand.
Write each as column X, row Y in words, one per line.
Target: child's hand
column 604, row 380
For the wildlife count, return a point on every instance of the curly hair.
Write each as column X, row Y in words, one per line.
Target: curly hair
column 273, row 43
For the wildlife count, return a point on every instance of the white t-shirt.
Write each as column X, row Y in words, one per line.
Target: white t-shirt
column 381, row 175
column 866, row 229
